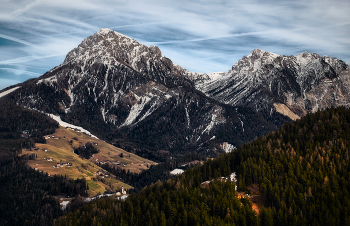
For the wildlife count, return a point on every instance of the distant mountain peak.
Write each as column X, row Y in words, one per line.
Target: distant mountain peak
column 258, row 53
column 104, row 31
column 300, row 84
column 307, row 54
column 254, row 60
column 112, row 34
column 305, row 57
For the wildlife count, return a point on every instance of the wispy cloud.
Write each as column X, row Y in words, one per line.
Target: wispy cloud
column 25, row 59
column 14, row 39
column 200, row 35
column 21, row 72
column 11, row 76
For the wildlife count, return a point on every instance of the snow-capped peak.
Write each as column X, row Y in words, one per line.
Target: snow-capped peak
column 103, row 31
column 258, row 53
column 110, row 47
column 106, row 31
column 254, row 60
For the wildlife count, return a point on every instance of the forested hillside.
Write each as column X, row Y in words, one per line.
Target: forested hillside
column 159, row 172
column 302, row 170
column 26, row 195
column 21, row 128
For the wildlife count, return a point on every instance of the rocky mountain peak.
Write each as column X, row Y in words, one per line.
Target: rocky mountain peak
column 291, row 85
column 308, row 55
column 106, row 31
column 109, row 47
column 254, row 61
column 305, row 57
column 258, row 53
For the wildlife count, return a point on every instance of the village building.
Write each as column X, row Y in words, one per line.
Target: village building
column 123, row 190
column 62, row 164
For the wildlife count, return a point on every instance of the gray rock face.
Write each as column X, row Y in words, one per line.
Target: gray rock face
column 302, row 83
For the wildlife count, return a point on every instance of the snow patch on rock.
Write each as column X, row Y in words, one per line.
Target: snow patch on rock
column 176, row 171
column 66, row 124
column 227, row 147
column 135, row 110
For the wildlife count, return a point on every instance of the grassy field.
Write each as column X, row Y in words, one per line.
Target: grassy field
column 61, row 148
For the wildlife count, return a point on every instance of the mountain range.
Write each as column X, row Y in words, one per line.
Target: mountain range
column 291, row 85
column 130, row 95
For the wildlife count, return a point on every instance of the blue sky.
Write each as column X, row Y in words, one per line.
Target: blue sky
column 200, row 35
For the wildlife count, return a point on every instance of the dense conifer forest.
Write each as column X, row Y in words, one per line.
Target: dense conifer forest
column 21, row 128
column 302, row 170
column 159, row 172
column 26, row 195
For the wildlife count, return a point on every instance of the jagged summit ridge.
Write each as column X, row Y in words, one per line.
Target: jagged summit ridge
column 253, row 61
column 104, row 31
column 305, row 57
column 261, row 54
column 110, row 47
column 263, row 80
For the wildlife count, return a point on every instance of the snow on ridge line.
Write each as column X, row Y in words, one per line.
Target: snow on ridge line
column 8, row 91
column 105, row 31
column 66, row 124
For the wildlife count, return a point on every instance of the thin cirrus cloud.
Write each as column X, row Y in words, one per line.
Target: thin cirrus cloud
column 200, row 35
column 21, row 72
